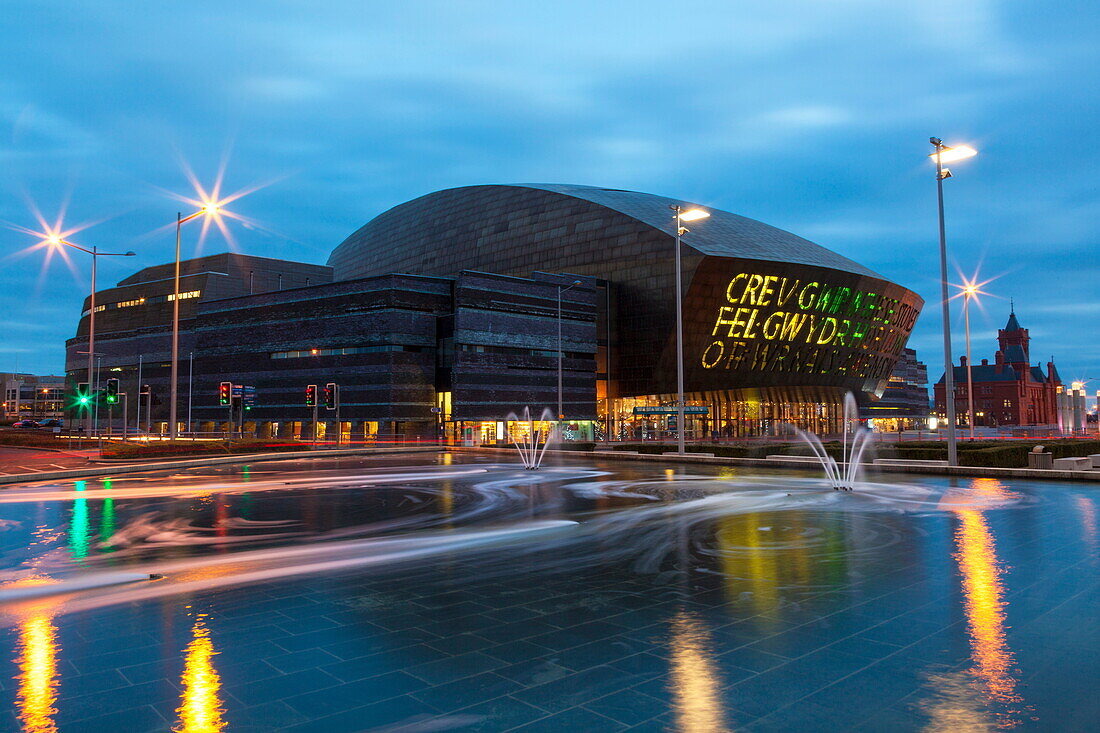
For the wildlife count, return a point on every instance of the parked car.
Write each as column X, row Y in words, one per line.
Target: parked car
column 25, row 424
column 52, row 422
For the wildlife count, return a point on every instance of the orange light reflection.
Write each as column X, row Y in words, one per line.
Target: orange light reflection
column 696, row 686
column 985, row 615
column 200, row 708
column 993, row 666
column 37, row 663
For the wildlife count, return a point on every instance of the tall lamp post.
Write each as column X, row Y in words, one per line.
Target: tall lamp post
column 682, row 215
column 56, row 241
column 207, row 210
column 945, row 154
column 561, row 410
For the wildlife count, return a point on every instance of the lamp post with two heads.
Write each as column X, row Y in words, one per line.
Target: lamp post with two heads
column 55, row 240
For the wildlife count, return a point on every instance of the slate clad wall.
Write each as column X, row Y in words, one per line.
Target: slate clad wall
column 518, row 231
column 622, row 237
column 236, row 339
column 508, row 314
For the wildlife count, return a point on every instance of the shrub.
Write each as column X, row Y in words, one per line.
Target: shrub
column 188, row 448
column 991, row 453
column 30, row 438
column 570, row 445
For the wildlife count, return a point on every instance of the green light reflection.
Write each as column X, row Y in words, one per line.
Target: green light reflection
column 78, row 524
column 107, row 521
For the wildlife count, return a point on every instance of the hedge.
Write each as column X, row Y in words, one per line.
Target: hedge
column 188, row 448
column 30, row 438
column 989, row 453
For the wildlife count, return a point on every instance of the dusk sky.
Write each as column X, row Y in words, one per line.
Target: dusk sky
column 810, row 116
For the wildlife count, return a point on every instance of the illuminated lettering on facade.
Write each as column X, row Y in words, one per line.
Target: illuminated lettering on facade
column 771, row 323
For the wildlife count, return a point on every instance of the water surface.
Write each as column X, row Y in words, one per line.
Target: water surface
column 454, row 593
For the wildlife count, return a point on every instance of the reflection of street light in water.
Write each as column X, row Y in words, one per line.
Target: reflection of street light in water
column 696, row 686
column 983, row 595
column 985, row 617
column 37, row 663
column 200, row 708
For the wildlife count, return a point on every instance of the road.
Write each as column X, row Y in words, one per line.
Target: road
column 30, row 460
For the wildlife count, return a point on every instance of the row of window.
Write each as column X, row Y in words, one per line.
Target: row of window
column 513, row 351
column 343, row 351
column 475, row 348
column 146, row 301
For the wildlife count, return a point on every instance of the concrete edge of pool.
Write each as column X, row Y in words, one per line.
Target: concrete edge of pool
column 794, row 462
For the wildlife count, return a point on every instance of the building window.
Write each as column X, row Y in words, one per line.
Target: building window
column 513, row 351
column 146, row 301
column 346, row 350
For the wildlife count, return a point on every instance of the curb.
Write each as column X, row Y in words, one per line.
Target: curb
column 969, row 471
column 23, row 478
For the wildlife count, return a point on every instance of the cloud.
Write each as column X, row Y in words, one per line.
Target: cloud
column 810, row 116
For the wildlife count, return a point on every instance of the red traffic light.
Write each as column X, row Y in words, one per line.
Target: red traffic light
column 225, row 393
column 311, row 395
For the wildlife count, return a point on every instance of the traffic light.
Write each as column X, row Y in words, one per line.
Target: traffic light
column 112, row 391
column 311, row 395
column 225, row 393
column 331, row 399
column 83, row 397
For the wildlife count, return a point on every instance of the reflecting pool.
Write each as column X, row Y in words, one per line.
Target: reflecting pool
column 435, row 592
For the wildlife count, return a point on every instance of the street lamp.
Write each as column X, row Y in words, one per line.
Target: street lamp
column 561, row 411
column 970, row 291
column 55, row 240
column 947, row 154
column 209, row 208
column 682, row 215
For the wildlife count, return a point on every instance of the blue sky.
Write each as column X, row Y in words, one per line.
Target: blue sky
column 811, row 116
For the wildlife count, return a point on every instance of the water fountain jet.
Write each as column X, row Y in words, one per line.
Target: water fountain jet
column 529, row 452
column 841, row 476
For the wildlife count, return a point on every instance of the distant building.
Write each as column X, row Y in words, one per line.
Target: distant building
column 904, row 403
column 27, row 396
column 1010, row 391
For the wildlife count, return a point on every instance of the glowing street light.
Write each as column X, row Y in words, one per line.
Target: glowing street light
column 970, row 291
column 952, row 154
column 53, row 239
column 682, row 215
column 693, row 215
column 209, row 208
column 942, row 154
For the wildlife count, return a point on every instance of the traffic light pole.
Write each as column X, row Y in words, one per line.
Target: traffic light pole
column 137, row 407
column 314, row 423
